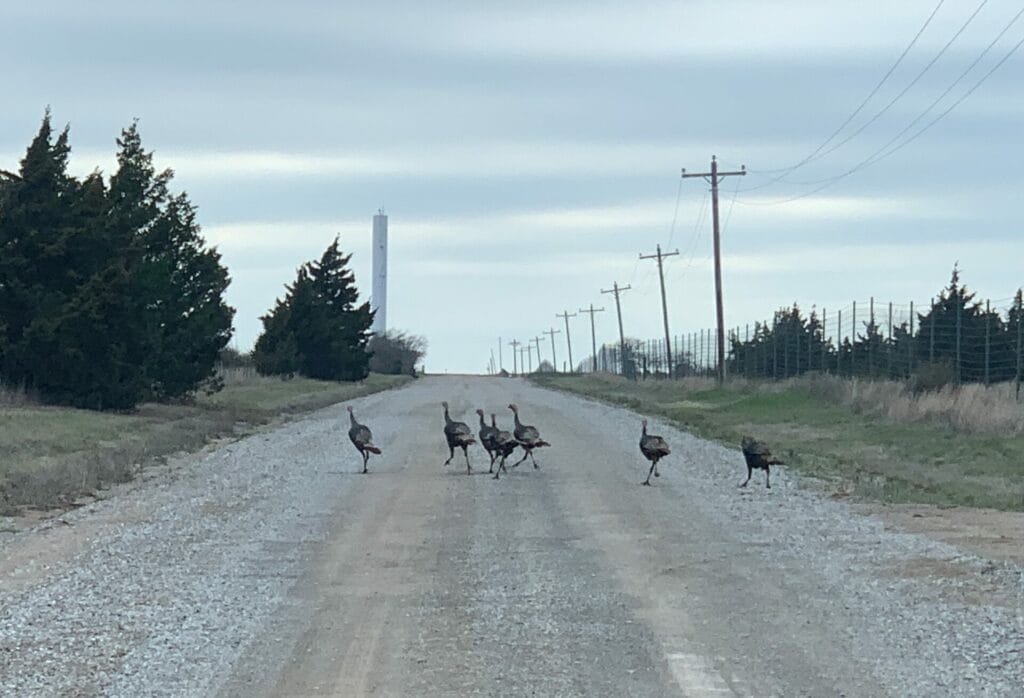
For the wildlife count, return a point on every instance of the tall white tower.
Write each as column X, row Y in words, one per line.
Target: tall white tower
column 379, row 299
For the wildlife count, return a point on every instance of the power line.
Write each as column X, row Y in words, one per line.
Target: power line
column 888, row 106
column 675, row 216
column 864, row 103
column 879, row 155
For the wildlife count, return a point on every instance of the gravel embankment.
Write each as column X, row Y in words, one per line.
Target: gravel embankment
column 171, row 583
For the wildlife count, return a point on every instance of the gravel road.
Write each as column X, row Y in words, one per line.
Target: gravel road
column 268, row 566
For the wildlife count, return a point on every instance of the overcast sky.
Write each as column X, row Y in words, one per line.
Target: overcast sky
column 527, row 152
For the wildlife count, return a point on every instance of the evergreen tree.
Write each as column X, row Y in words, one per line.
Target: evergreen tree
column 317, row 329
column 107, row 296
column 177, row 282
column 63, row 293
column 956, row 320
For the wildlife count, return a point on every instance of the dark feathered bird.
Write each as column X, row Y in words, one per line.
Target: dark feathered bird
column 654, row 449
column 487, row 434
column 458, row 435
column 528, row 437
column 362, row 438
column 758, row 456
column 505, row 443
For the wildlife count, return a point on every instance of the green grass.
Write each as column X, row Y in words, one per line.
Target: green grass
column 53, row 455
column 871, row 456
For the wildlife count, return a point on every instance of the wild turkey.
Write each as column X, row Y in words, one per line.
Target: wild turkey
column 362, row 438
column 487, row 434
column 654, row 449
column 458, row 435
column 759, row 456
column 528, row 437
column 505, row 443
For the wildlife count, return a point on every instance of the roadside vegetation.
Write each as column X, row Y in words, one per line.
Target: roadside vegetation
column 55, row 456
column 878, row 440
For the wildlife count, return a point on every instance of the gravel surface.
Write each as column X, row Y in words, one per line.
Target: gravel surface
column 268, row 566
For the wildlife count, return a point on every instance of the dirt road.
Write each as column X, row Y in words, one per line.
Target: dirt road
column 271, row 568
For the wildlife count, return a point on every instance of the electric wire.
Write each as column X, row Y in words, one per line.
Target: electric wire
column 887, row 107
column 860, row 107
column 882, row 154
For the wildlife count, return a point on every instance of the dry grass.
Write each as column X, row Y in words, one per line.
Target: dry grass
column 52, row 456
column 971, row 409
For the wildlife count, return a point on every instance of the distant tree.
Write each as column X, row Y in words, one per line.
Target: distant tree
column 791, row 345
column 396, row 353
column 957, row 315
column 317, row 330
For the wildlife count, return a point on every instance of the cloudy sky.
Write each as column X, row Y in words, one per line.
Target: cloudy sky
column 527, row 152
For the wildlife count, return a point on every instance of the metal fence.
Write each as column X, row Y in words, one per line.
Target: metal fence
column 943, row 340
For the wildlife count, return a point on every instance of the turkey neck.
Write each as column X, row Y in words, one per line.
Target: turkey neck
column 516, row 414
column 447, row 419
column 352, row 419
column 644, row 432
column 482, row 423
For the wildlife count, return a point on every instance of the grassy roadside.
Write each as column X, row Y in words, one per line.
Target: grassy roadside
column 867, row 454
column 54, row 455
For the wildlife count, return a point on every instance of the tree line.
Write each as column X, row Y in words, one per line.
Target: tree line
column 108, row 292
column 956, row 339
column 110, row 296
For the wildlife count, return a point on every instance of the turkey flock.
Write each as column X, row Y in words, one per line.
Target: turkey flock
column 500, row 444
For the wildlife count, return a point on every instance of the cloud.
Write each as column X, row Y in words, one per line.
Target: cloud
column 488, row 159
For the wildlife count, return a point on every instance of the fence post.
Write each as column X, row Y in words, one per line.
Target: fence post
column 959, row 372
column 775, row 347
column 888, row 351
column 1020, row 323
column 931, row 340
column 824, row 335
column 796, row 369
column 746, row 367
column 988, row 337
column 839, row 342
column 871, row 325
column 853, row 340
column 910, row 344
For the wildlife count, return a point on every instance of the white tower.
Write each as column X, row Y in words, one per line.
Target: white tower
column 379, row 299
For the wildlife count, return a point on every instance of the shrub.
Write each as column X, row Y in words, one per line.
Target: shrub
column 396, row 353
column 931, row 376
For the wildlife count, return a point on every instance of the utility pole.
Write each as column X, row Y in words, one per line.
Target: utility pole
column 664, row 306
column 537, row 340
column 715, row 176
column 551, row 333
column 528, row 348
column 515, row 351
column 593, row 334
column 618, row 310
column 568, row 340
column 501, row 361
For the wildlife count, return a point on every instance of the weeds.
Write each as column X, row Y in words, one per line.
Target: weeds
column 52, row 456
column 876, row 439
